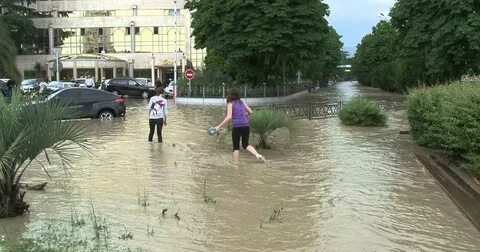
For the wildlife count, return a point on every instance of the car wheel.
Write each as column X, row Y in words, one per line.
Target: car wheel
column 115, row 92
column 145, row 94
column 106, row 115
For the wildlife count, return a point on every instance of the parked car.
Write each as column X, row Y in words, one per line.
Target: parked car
column 130, row 86
column 145, row 81
column 30, row 85
column 53, row 86
column 90, row 102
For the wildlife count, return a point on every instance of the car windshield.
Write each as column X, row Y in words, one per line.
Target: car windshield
column 28, row 82
column 142, row 82
column 52, row 95
column 53, row 84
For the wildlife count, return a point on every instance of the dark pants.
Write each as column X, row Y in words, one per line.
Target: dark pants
column 240, row 132
column 159, row 123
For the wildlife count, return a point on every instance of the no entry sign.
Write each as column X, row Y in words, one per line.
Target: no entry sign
column 189, row 74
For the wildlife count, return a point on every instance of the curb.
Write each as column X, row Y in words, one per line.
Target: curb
column 459, row 186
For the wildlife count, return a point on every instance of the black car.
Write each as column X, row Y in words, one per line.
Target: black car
column 130, row 86
column 91, row 103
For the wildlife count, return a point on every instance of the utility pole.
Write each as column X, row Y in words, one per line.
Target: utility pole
column 176, row 51
column 56, row 65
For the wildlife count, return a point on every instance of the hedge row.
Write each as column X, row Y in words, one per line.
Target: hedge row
column 447, row 117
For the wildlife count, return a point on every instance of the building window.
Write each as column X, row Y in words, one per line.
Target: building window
column 127, row 30
column 100, row 31
column 82, row 31
column 171, row 12
column 155, row 30
column 137, row 30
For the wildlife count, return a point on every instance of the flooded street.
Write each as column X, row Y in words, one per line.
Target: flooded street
column 341, row 188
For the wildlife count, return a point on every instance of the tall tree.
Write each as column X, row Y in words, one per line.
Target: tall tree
column 375, row 56
column 7, row 54
column 256, row 39
column 442, row 34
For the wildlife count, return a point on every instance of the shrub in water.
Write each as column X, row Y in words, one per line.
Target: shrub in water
column 447, row 118
column 264, row 122
column 362, row 112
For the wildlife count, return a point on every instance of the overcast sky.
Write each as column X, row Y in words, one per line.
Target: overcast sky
column 353, row 19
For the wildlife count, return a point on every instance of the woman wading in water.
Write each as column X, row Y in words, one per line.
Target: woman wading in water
column 238, row 112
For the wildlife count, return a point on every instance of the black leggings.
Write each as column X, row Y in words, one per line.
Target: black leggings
column 244, row 133
column 159, row 123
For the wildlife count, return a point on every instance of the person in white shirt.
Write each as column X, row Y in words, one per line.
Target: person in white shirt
column 89, row 83
column 157, row 111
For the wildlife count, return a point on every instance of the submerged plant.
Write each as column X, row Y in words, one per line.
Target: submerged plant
column 28, row 130
column 207, row 198
column 276, row 212
column 265, row 122
column 362, row 112
column 142, row 200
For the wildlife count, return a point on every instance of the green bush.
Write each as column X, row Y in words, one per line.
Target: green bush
column 362, row 112
column 447, row 118
column 265, row 122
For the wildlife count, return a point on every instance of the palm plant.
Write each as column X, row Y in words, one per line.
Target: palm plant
column 26, row 132
column 265, row 122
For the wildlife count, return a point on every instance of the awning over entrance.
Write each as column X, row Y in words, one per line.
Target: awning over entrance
column 99, row 63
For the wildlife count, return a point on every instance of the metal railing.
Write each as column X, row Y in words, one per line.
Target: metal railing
column 221, row 91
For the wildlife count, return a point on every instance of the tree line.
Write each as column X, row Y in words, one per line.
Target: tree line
column 424, row 42
column 255, row 42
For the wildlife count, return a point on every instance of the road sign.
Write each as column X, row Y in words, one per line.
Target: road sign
column 189, row 74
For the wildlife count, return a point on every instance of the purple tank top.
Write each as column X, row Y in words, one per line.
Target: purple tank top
column 239, row 114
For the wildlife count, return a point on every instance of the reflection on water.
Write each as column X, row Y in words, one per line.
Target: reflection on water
column 341, row 188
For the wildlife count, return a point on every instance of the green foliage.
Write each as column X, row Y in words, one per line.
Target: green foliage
column 374, row 60
column 431, row 41
column 264, row 122
column 444, row 33
column 27, row 131
column 446, row 118
column 260, row 41
column 362, row 112
column 7, row 54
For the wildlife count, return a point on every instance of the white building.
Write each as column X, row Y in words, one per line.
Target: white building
column 106, row 38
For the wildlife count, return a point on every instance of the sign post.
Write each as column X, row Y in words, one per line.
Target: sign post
column 189, row 74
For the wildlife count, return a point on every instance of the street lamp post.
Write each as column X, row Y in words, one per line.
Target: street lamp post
column 56, row 64
column 153, row 69
column 176, row 50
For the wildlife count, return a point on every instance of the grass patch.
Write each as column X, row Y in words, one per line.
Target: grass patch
column 361, row 112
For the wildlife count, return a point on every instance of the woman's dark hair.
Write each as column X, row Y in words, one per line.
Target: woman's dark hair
column 233, row 95
column 158, row 83
column 159, row 90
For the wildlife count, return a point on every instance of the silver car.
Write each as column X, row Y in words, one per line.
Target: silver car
column 57, row 85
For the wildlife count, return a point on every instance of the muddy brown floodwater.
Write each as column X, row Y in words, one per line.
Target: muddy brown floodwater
column 341, row 188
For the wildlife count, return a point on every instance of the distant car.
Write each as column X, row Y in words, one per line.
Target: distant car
column 145, row 81
column 130, row 86
column 80, row 82
column 90, row 103
column 57, row 85
column 30, row 85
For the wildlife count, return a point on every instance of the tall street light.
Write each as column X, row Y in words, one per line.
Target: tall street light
column 176, row 49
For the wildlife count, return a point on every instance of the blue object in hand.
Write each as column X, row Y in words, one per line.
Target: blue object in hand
column 212, row 131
